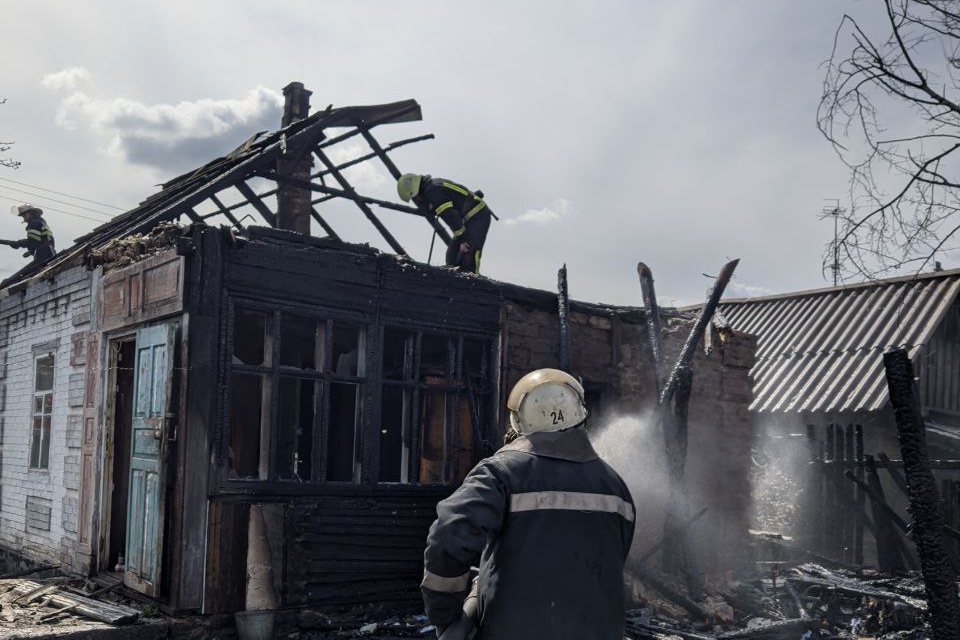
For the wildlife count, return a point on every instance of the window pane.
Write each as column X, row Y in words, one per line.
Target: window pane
column 298, row 341
column 38, row 404
column 246, row 394
column 36, row 442
column 346, row 350
column 48, row 403
column 433, row 356
column 341, row 448
column 397, row 354
column 45, row 443
column 475, row 357
column 433, row 436
column 249, row 329
column 447, row 437
column 44, row 379
column 295, row 431
column 159, row 399
column 394, row 439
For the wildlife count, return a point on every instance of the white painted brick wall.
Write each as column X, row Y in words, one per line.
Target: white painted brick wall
column 45, row 313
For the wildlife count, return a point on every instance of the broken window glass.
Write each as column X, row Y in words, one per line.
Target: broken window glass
column 346, row 350
column 397, row 354
column 295, row 428
column 246, row 412
column 299, row 337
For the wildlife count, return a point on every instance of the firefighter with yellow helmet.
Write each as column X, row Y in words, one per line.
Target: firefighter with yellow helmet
column 463, row 210
column 548, row 523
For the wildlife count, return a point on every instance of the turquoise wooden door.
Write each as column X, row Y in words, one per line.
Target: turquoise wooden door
column 152, row 384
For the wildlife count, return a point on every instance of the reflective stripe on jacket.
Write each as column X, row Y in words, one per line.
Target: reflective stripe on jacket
column 452, row 202
column 550, row 525
column 39, row 238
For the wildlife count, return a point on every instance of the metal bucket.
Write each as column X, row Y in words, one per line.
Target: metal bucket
column 254, row 625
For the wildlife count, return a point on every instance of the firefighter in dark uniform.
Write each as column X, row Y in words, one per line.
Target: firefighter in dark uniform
column 546, row 520
column 464, row 211
column 39, row 243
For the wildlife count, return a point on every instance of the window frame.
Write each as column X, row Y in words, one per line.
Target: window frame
column 370, row 395
column 41, row 461
column 323, row 376
column 456, row 388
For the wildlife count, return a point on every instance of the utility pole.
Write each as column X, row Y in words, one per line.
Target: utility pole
column 833, row 211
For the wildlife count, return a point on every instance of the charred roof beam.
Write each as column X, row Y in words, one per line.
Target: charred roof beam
column 225, row 211
column 257, row 203
column 353, row 195
column 396, row 173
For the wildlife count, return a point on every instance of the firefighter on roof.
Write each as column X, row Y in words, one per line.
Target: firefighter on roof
column 39, row 243
column 464, row 211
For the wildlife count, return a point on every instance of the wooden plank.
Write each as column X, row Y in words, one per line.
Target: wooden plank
column 144, row 291
column 102, row 611
column 199, row 414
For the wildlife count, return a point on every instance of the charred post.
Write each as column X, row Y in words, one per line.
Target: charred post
column 678, row 554
column 939, row 577
column 690, row 346
column 653, row 321
column 563, row 312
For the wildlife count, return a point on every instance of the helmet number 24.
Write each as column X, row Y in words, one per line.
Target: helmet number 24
column 556, row 416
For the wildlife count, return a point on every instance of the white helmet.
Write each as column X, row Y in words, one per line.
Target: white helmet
column 20, row 209
column 407, row 186
column 546, row 400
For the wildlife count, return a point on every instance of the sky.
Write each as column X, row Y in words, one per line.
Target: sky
column 603, row 133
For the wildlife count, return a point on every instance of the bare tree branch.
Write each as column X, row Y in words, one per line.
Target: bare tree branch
column 890, row 109
column 4, row 147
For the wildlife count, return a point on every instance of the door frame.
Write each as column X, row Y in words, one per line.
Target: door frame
column 109, row 381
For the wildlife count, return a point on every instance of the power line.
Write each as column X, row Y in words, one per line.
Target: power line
column 75, row 215
column 69, row 204
column 60, row 193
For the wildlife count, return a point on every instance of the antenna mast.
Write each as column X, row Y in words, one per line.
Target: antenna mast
column 834, row 210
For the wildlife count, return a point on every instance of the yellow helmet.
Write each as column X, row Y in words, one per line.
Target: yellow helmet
column 407, row 186
column 546, row 400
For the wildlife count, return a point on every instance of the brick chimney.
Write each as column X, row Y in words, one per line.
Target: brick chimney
column 293, row 203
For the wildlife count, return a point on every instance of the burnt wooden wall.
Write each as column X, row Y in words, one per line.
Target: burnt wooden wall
column 341, row 544
column 358, row 549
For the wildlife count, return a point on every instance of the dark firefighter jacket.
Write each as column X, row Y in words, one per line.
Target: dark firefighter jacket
column 550, row 525
column 453, row 203
column 39, row 242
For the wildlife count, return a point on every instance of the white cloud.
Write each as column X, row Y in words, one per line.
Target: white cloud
column 66, row 80
column 561, row 208
column 368, row 176
column 172, row 136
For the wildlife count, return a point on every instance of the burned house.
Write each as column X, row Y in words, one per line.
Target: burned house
column 177, row 370
column 820, row 396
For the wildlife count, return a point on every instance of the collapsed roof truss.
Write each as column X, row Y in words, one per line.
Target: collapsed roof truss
column 245, row 184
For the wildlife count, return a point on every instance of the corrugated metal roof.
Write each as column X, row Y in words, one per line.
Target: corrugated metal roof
column 823, row 350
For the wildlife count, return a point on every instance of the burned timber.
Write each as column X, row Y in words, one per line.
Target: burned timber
column 232, row 383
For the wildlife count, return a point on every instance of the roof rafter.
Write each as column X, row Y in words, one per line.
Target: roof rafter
column 202, row 194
